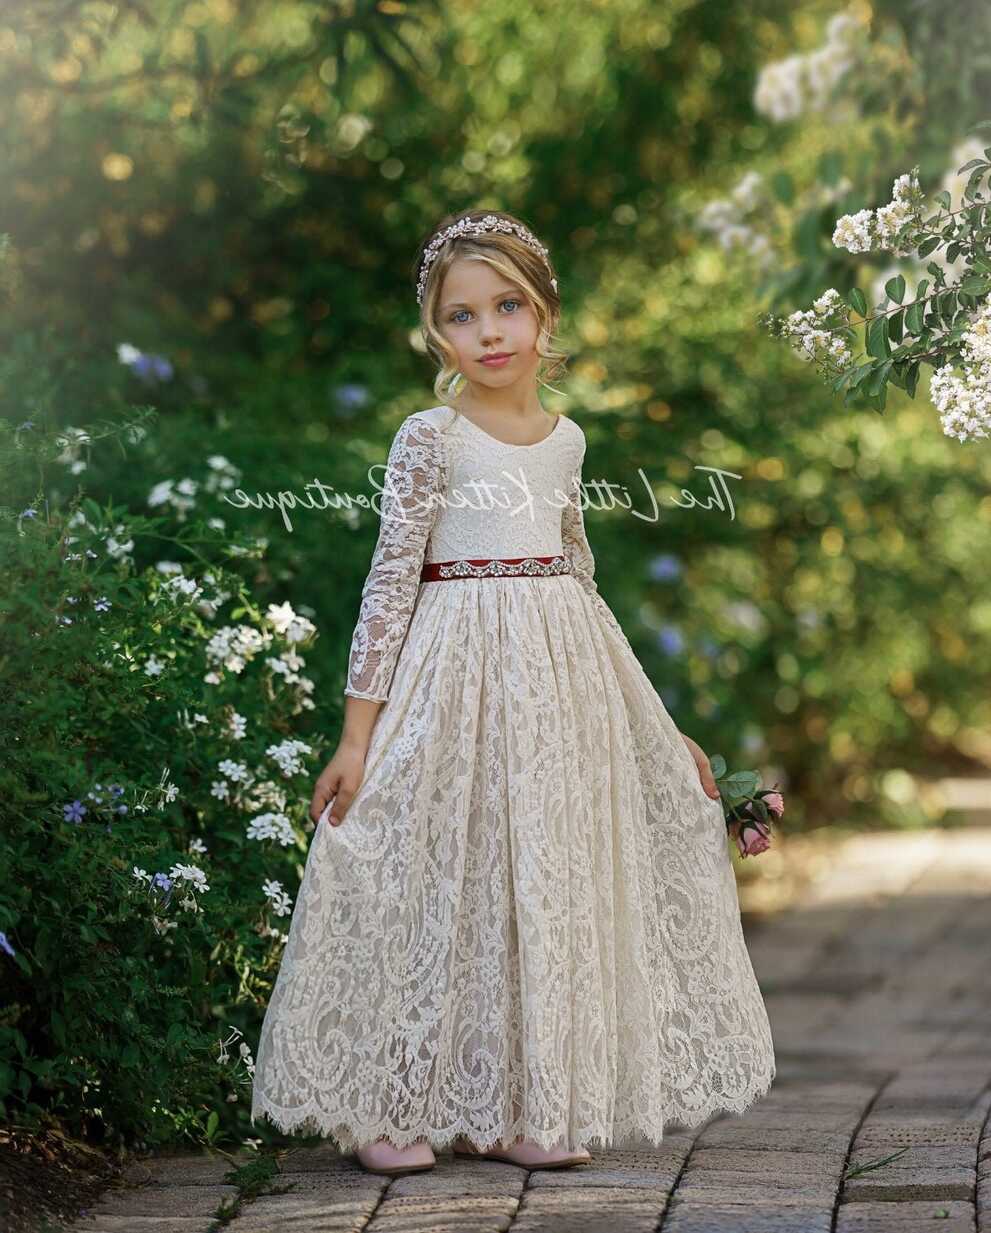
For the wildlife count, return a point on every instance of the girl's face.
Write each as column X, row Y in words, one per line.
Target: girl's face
column 480, row 313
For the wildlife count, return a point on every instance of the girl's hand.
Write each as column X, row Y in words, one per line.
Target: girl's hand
column 705, row 771
column 339, row 780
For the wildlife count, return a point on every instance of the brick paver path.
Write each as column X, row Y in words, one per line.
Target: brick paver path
column 879, row 990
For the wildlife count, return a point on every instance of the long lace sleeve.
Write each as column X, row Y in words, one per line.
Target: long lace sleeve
column 573, row 537
column 576, row 548
column 414, row 478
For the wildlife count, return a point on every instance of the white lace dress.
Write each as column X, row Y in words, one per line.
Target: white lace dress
column 527, row 923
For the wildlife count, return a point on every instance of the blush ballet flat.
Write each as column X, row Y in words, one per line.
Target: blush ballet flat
column 382, row 1157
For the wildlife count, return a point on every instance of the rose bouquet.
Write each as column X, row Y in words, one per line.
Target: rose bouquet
column 748, row 808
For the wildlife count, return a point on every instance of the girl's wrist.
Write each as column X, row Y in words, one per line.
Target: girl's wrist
column 354, row 742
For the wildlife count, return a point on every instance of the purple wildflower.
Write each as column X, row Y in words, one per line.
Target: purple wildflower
column 670, row 640
column 74, row 812
column 665, row 567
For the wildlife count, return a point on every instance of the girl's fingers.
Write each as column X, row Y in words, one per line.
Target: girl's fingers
column 708, row 780
column 341, row 802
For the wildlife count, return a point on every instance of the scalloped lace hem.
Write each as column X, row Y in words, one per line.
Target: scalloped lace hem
column 351, row 1134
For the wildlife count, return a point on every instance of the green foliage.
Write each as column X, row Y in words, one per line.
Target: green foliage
column 128, row 698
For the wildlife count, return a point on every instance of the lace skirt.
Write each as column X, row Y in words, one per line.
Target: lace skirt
column 527, row 923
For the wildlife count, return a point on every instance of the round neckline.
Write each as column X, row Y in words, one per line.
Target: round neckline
column 509, row 445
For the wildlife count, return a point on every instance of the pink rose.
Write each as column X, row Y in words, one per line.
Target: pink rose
column 752, row 836
column 775, row 802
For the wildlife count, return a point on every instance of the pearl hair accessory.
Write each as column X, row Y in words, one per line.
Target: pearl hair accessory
column 467, row 226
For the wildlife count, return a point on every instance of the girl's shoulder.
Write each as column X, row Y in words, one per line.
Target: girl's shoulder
column 437, row 417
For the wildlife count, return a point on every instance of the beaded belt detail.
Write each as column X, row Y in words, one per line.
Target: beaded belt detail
column 495, row 567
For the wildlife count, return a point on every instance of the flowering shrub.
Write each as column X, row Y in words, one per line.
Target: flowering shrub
column 155, row 797
column 944, row 327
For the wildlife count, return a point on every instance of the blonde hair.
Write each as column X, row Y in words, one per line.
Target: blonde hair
column 514, row 259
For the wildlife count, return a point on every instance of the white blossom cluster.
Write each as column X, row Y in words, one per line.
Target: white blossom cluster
column 811, row 332
column 234, row 646
column 265, row 794
column 292, row 626
column 272, row 826
column 806, row 82
column 176, row 584
column 724, row 218
column 877, row 230
column 964, row 401
column 286, row 754
column 280, row 901
column 180, row 495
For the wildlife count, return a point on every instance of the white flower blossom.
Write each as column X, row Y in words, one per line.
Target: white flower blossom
column 292, row 626
column 807, row 82
column 272, row 826
column 281, row 903
column 286, row 754
column 236, row 771
column 877, row 230
column 191, row 874
column 964, row 400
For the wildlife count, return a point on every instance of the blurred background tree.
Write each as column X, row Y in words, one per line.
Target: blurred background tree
column 236, row 191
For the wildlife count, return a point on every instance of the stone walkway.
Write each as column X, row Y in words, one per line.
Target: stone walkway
column 879, row 990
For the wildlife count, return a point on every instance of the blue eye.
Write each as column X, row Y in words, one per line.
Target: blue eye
column 455, row 316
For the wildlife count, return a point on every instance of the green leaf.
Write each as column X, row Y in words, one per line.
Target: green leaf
column 895, row 287
column 930, row 245
column 740, row 783
column 855, row 298
column 922, row 288
column 974, row 284
column 879, row 379
column 895, row 325
column 877, row 338
column 912, row 379
column 830, row 166
column 913, row 317
column 783, row 187
column 717, row 764
column 943, row 198
column 212, row 1122
column 806, row 235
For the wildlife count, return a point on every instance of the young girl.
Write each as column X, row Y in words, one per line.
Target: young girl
column 518, row 929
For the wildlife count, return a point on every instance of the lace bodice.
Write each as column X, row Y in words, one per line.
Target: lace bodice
column 452, row 491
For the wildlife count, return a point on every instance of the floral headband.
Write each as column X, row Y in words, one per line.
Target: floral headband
column 467, row 226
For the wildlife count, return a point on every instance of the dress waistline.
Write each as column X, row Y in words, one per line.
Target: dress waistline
column 495, row 567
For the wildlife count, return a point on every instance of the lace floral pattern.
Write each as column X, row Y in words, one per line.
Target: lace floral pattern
column 527, row 923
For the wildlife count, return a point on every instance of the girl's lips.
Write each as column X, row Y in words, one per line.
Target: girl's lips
column 496, row 363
